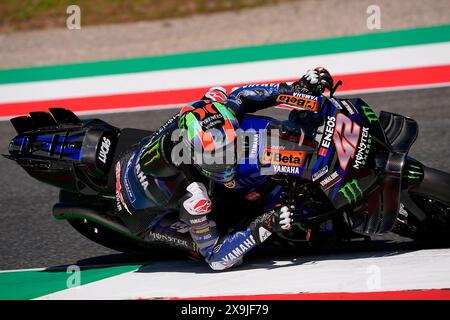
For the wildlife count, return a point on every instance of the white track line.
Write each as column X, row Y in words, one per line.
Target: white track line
column 177, row 106
column 341, row 63
column 360, row 272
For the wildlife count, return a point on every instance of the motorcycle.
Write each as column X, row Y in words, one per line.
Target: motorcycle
column 347, row 175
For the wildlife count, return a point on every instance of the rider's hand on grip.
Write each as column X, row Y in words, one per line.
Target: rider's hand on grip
column 276, row 220
column 283, row 218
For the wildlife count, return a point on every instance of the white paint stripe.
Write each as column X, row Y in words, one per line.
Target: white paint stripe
column 343, row 63
column 425, row 269
column 177, row 106
column 22, row 270
column 393, row 89
column 64, row 267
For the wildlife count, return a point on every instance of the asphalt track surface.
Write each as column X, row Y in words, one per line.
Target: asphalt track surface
column 30, row 237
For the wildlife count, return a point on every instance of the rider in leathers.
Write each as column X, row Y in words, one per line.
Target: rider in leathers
column 168, row 203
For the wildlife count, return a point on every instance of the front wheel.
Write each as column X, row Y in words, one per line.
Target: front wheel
column 425, row 209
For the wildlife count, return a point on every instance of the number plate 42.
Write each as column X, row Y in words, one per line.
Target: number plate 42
column 345, row 138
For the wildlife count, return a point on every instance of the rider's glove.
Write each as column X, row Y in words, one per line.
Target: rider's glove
column 273, row 221
column 283, row 218
column 194, row 210
column 317, row 80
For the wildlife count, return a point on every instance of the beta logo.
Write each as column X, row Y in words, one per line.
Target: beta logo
column 302, row 102
column 283, row 157
column 104, row 150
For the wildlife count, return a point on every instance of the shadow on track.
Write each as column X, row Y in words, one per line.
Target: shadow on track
column 265, row 257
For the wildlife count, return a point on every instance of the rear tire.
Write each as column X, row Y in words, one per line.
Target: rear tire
column 107, row 238
column 432, row 196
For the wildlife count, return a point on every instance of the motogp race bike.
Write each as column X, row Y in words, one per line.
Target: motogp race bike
column 346, row 172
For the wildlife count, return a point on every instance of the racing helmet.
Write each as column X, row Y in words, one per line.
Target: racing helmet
column 210, row 134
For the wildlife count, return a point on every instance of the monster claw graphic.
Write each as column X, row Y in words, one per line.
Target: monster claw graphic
column 370, row 115
column 351, row 191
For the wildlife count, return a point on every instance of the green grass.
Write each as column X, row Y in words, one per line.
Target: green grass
column 21, row 285
column 42, row 14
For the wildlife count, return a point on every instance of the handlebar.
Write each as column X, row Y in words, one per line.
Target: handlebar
column 333, row 89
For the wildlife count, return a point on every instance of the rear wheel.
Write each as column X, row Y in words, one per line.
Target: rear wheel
column 107, row 238
column 425, row 210
column 89, row 220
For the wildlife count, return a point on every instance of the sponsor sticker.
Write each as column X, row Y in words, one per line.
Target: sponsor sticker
column 202, row 206
column 306, row 96
column 370, row 115
column 283, row 157
column 238, row 251
column 231, row 184
column 349, row 107
column 180, row 227
column 141, row 176
column 287, row 169
column 120, row 202
column 104, row 150
column 336, row 103
column 254, row 146
column 156, row 236
column 302, row 102
column 319, row 174
column 330, row 180
column 351, row 191
column 363, row 150
column 327, row 136
column 198, row 221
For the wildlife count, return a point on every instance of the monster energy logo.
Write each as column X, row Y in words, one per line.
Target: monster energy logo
column 370, row 115
column 153, row 148
column 413, row 172
column 351, row 191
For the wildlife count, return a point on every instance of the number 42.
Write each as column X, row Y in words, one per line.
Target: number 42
column 345, row 139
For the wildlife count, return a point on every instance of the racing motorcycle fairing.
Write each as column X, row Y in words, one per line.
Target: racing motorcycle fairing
column 372, row 175
column 59, row 149
column 347, row 156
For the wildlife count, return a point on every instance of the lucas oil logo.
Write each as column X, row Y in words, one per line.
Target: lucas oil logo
column 104, row 149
